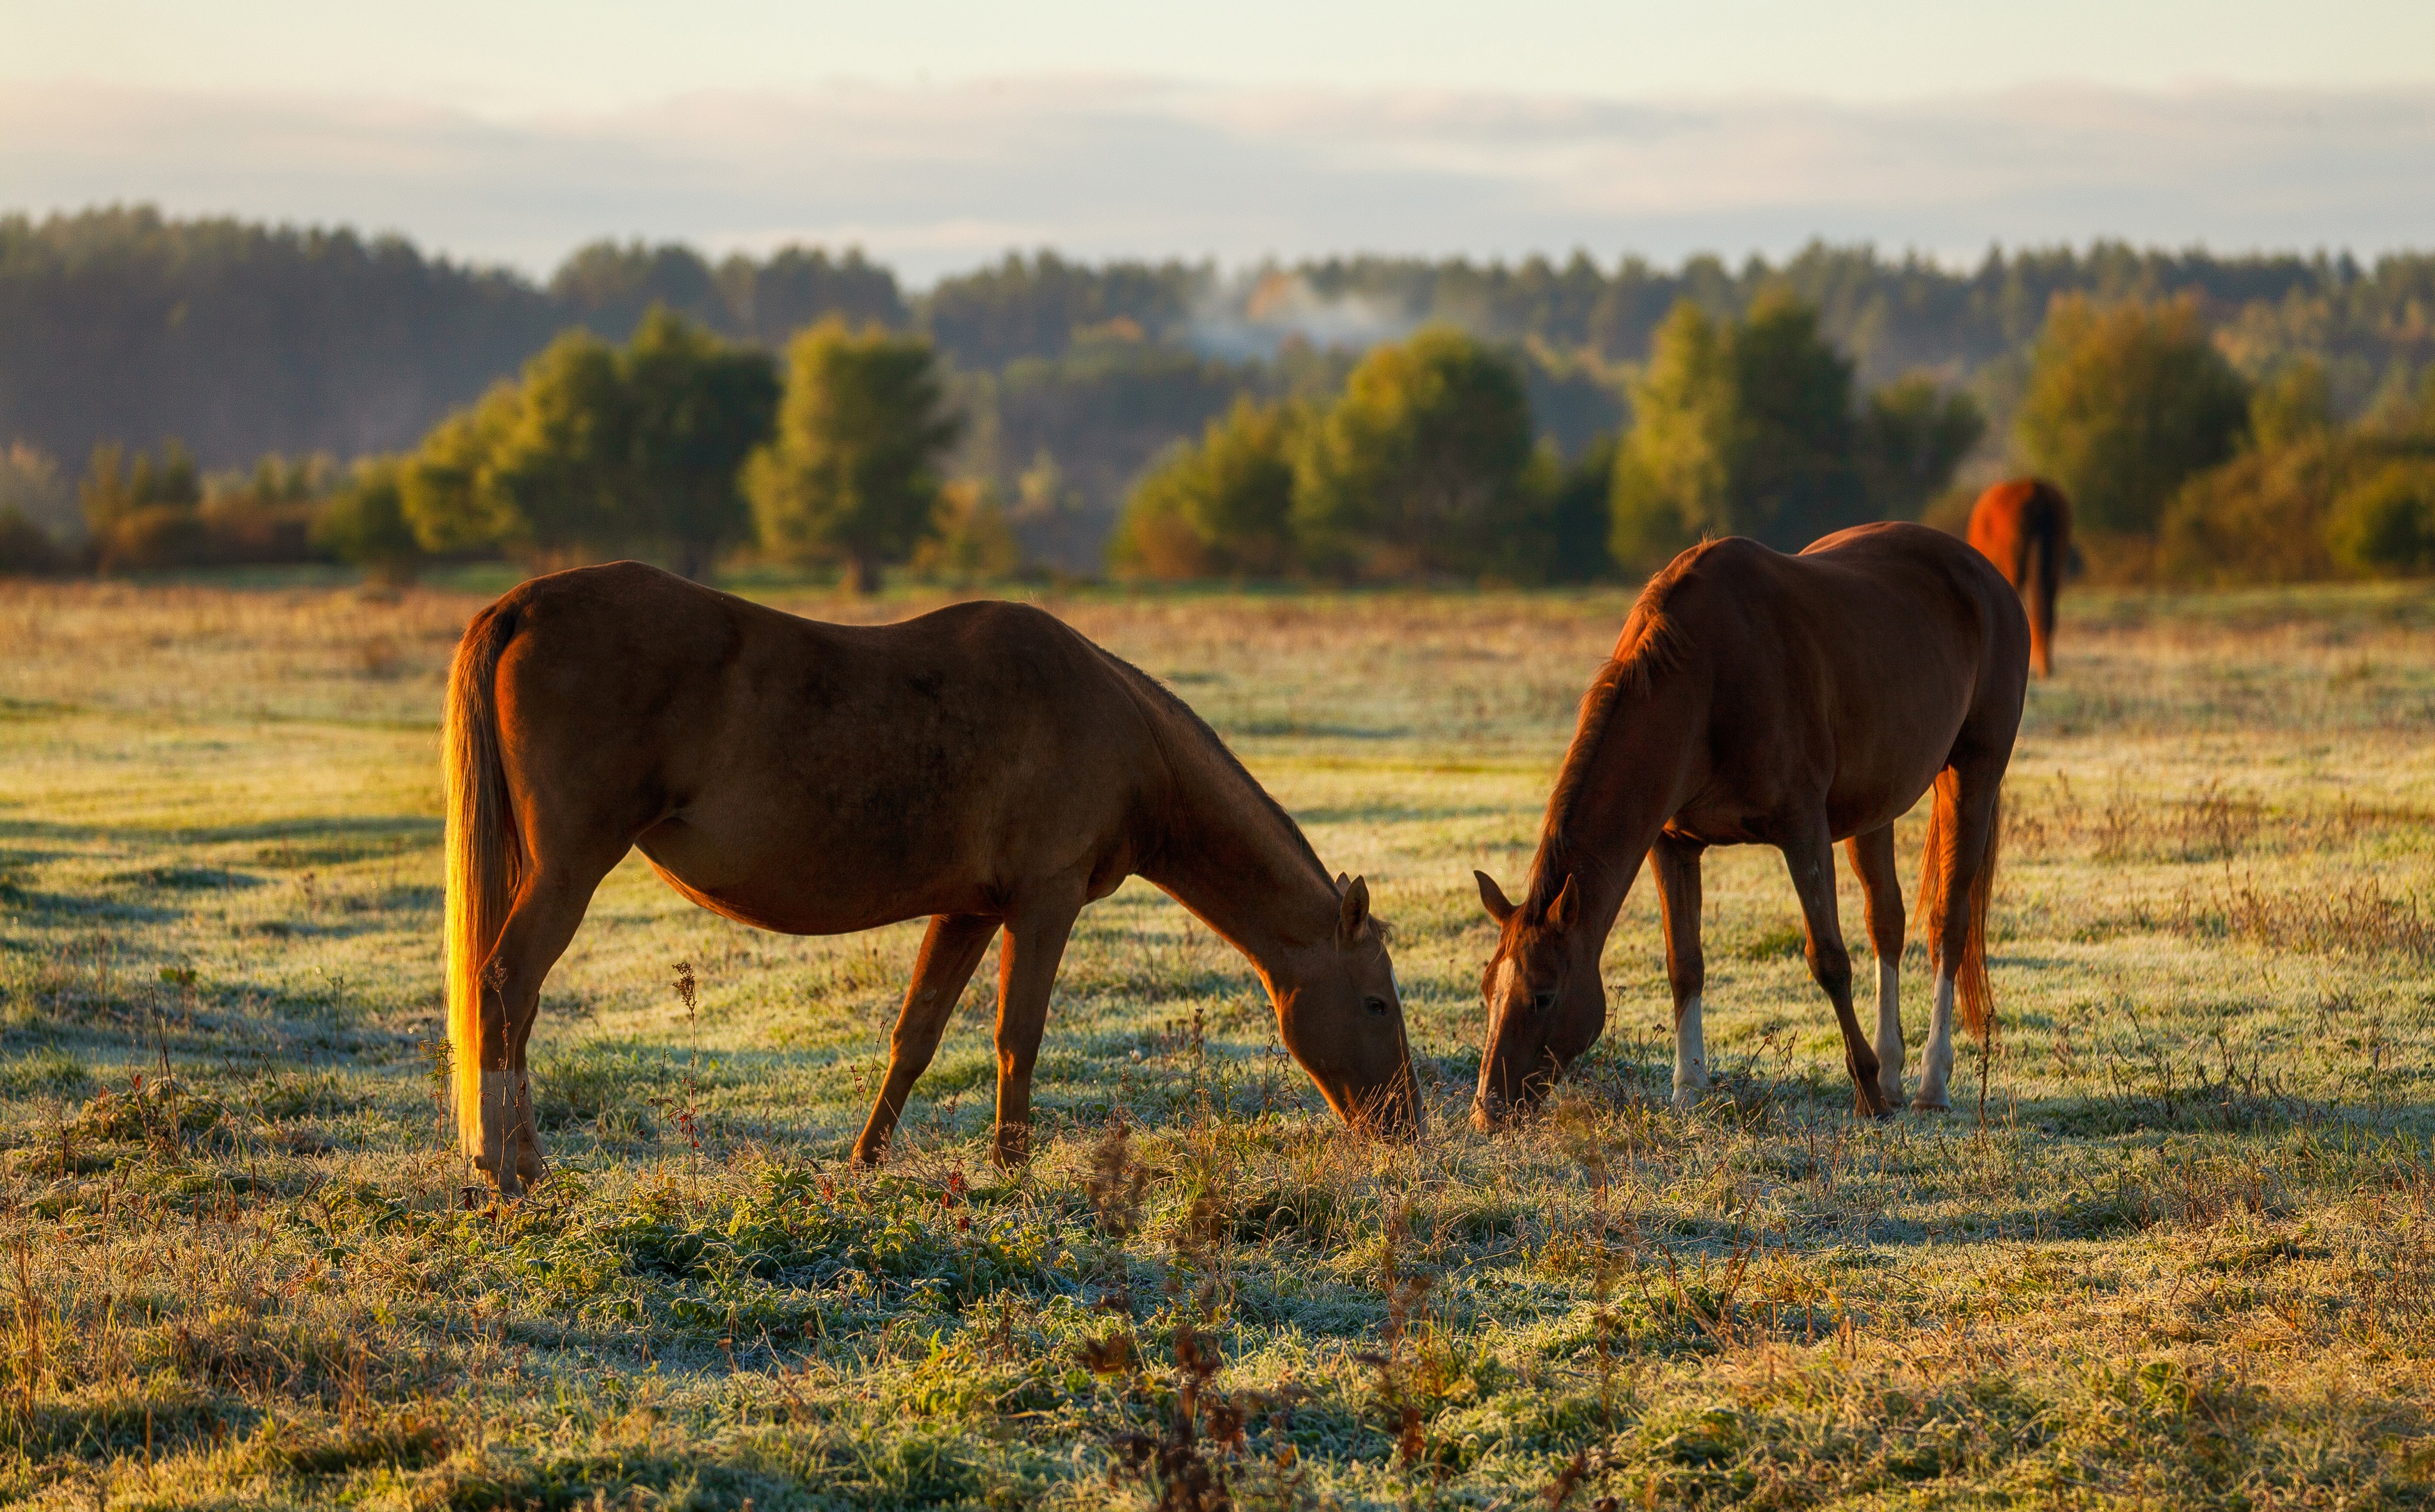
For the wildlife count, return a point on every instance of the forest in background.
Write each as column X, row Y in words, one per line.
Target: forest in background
column 121, row 325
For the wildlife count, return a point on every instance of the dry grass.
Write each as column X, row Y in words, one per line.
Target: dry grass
column 2187, row 1262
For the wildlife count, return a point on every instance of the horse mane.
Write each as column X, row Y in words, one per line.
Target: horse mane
column 1163, row 699
column 1650, row 645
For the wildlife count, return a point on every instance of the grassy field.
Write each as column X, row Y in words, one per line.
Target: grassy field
column 2188, row 1258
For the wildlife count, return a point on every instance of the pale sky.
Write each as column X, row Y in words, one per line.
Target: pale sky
column 504, row 56
column 940, row 131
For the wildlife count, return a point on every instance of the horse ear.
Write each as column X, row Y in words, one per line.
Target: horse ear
column 1356, row 911
column 1561, row 911
column 1492, row 898
column 1342, row 881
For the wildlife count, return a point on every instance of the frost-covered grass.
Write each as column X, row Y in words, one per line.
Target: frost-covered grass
column 2188, row 1258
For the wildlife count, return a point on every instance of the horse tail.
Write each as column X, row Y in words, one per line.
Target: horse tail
column 2052, row 546
column 1977, row 994
column 485, row 853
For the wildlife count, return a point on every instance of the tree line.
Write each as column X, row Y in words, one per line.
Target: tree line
column 1354, row 418
column 121, row 324
column 1422, row 460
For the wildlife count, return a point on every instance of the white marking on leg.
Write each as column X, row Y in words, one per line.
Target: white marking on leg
column 1936, row 1066
column 1690, row 1054
column 1890, row 1035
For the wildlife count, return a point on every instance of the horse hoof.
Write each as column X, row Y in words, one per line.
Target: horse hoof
column 1921, row 1104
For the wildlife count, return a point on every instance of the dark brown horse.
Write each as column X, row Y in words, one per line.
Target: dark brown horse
column 983, row 765
column 1792, row 701
column 2024, row 527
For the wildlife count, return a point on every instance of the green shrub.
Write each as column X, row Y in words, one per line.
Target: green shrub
column 2260, row 516
column 365, row 524
column 2385, row 524
column 25, row 551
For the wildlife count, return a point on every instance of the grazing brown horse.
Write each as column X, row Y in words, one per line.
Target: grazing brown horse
column 983, row 765
column 2024, row 527
column 1792, row 701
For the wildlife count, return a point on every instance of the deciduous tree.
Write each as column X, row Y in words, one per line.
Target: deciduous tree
column 852, row 476
column 1222, row 506
column 1422, row 466
column 1741, row 428
column 1913, row 434
column 696, row 406
column 2125, row 404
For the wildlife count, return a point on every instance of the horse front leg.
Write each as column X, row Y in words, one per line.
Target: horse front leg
column 1811, row 861
column 1677, row 864
column 951, row 952
column 1027, row 973
column 1872, row 858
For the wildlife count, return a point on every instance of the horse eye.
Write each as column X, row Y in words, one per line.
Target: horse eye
column 1542, row 1002
column 1378, row 1007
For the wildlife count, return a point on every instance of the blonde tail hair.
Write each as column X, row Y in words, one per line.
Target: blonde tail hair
column 1977, row 994
column 486, row 858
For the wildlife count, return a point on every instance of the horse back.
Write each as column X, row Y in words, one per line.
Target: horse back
column 2013, row 521
column 1848, row 674
column 814, row 776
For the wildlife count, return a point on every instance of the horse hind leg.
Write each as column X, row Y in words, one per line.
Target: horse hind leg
column 1873, row 859
column 1677, row 864
column 548, row 908
column 951, row 952
column 1960, row 832
column 1811, row 861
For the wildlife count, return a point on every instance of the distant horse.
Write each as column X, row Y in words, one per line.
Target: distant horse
column 1792, row 701
column 984, row 765
column 2024, row 527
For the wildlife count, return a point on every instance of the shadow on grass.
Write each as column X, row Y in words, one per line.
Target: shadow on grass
column 40, row 908
column 389, row 827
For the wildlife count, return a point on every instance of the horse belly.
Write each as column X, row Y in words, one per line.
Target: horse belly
column 800, row 884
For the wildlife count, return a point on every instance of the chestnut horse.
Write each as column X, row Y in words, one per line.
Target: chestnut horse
column 984, row 765
column 1792, row 701
column 2024, row 527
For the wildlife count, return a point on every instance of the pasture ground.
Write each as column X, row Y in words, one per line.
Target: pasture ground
column 2188, row 1257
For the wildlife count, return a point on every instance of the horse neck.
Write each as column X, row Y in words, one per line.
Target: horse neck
column 1234, row 859
column 1619, row 785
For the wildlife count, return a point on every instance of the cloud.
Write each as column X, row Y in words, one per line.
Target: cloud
column 934, row 178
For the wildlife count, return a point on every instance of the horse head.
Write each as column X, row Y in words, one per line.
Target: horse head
column 1546, row 1000
column 1343, row 1020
